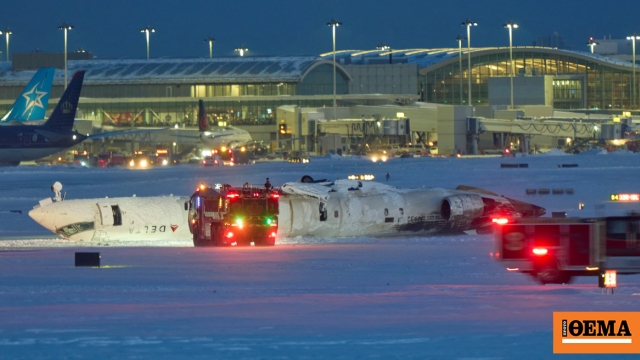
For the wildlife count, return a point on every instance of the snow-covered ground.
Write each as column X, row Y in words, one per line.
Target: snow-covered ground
column 439, row 297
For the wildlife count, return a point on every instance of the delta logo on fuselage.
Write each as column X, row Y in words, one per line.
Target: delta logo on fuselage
column 595, row 332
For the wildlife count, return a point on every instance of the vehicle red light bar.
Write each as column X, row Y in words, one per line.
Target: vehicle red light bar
column 501, row 221
column 513, row 269
column 540, row 251
column 230, row 235
column 625, row 197
column 231, row 196
column 275, row 196
column 256, row 195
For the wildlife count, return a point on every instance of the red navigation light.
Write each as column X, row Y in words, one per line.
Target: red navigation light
column 507, row 151
column 275, row 196
column 231, row 196
column 273, row 234
column 193, row 221
column 215, row 161
column 230, row 235
column 231, row 159
column 204, row 162
column 500, row 221
column 540, row 251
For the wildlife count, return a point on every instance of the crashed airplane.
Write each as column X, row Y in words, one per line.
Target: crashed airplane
column 347, row 208
column 308, row 208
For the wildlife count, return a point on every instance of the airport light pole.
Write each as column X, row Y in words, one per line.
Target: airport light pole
column 459, row 40
column 592, row 43
column 241, row 50
column 468, row 23
column 511, row 25
column 333, row 25
column 66, row 27
column 147, row 30
column 383, row 47
column 210, row 40
column 7, row 32
column 633, row 37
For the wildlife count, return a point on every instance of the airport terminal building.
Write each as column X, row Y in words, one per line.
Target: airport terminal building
column 256, row 93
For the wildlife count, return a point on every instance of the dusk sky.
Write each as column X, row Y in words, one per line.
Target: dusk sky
column 111, row 29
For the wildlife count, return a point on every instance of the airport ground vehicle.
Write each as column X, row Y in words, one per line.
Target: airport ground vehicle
column 224, row 215
column 242, row 155
column 163, row 157
column 140, row 160
column 555, row 250
column 214, row 160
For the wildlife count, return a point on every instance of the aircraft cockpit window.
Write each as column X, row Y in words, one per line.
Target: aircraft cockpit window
column 73, row 229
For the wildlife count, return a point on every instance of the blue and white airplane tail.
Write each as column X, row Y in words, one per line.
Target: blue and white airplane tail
column 32, row 103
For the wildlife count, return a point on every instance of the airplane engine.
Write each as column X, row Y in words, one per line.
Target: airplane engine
column 461, row 207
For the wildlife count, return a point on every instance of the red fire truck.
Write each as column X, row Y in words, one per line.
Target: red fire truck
column 554, row 251
column 224, row 215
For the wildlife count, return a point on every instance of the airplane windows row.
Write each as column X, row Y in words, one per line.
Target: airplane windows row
column 73, row 229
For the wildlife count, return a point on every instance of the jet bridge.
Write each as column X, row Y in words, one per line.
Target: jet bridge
column 556, row 128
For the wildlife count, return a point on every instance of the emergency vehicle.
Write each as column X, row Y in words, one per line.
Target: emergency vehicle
column 554, row 251
column 224, row 215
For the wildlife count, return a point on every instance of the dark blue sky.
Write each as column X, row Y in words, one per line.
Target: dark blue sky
column 110, row 29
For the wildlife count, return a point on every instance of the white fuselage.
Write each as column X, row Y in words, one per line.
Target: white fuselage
column 140, row 218
column 230, row 137
column 371, row 210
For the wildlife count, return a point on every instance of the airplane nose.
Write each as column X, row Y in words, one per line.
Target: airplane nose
column 39, row 215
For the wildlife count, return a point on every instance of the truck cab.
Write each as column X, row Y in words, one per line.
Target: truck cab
column 556, row 250
column 224, row 215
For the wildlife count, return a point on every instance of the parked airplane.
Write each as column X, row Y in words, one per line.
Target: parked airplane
column 30, row 142
column 344, row 208
column 31, row 105
column 227, row 136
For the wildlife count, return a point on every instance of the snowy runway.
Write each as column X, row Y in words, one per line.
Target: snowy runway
column 441, row 297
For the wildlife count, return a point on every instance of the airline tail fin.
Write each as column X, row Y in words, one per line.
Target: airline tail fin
column 65, row 112
column 32, row 103
column 203, row 122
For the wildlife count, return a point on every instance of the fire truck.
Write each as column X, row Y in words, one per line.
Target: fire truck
column 554, row 251
column 228, row 216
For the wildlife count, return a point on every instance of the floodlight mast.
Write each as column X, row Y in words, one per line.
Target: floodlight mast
column 468, row 23
column 334, row 23
column 66, row 27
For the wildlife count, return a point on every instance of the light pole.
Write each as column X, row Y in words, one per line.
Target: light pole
column 633, row 37
column 241, row 50
column 592, row 43
column 511, row 25
column 210, row 40
column 459, row 40
column 333, row 25
column 147, row 30
column 7, row 32
column 468, row 23
column 383, row 47
column 66, row 27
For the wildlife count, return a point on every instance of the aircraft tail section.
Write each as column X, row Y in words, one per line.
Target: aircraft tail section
column 65, row 112
column 203, row 122
column 32, row 103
